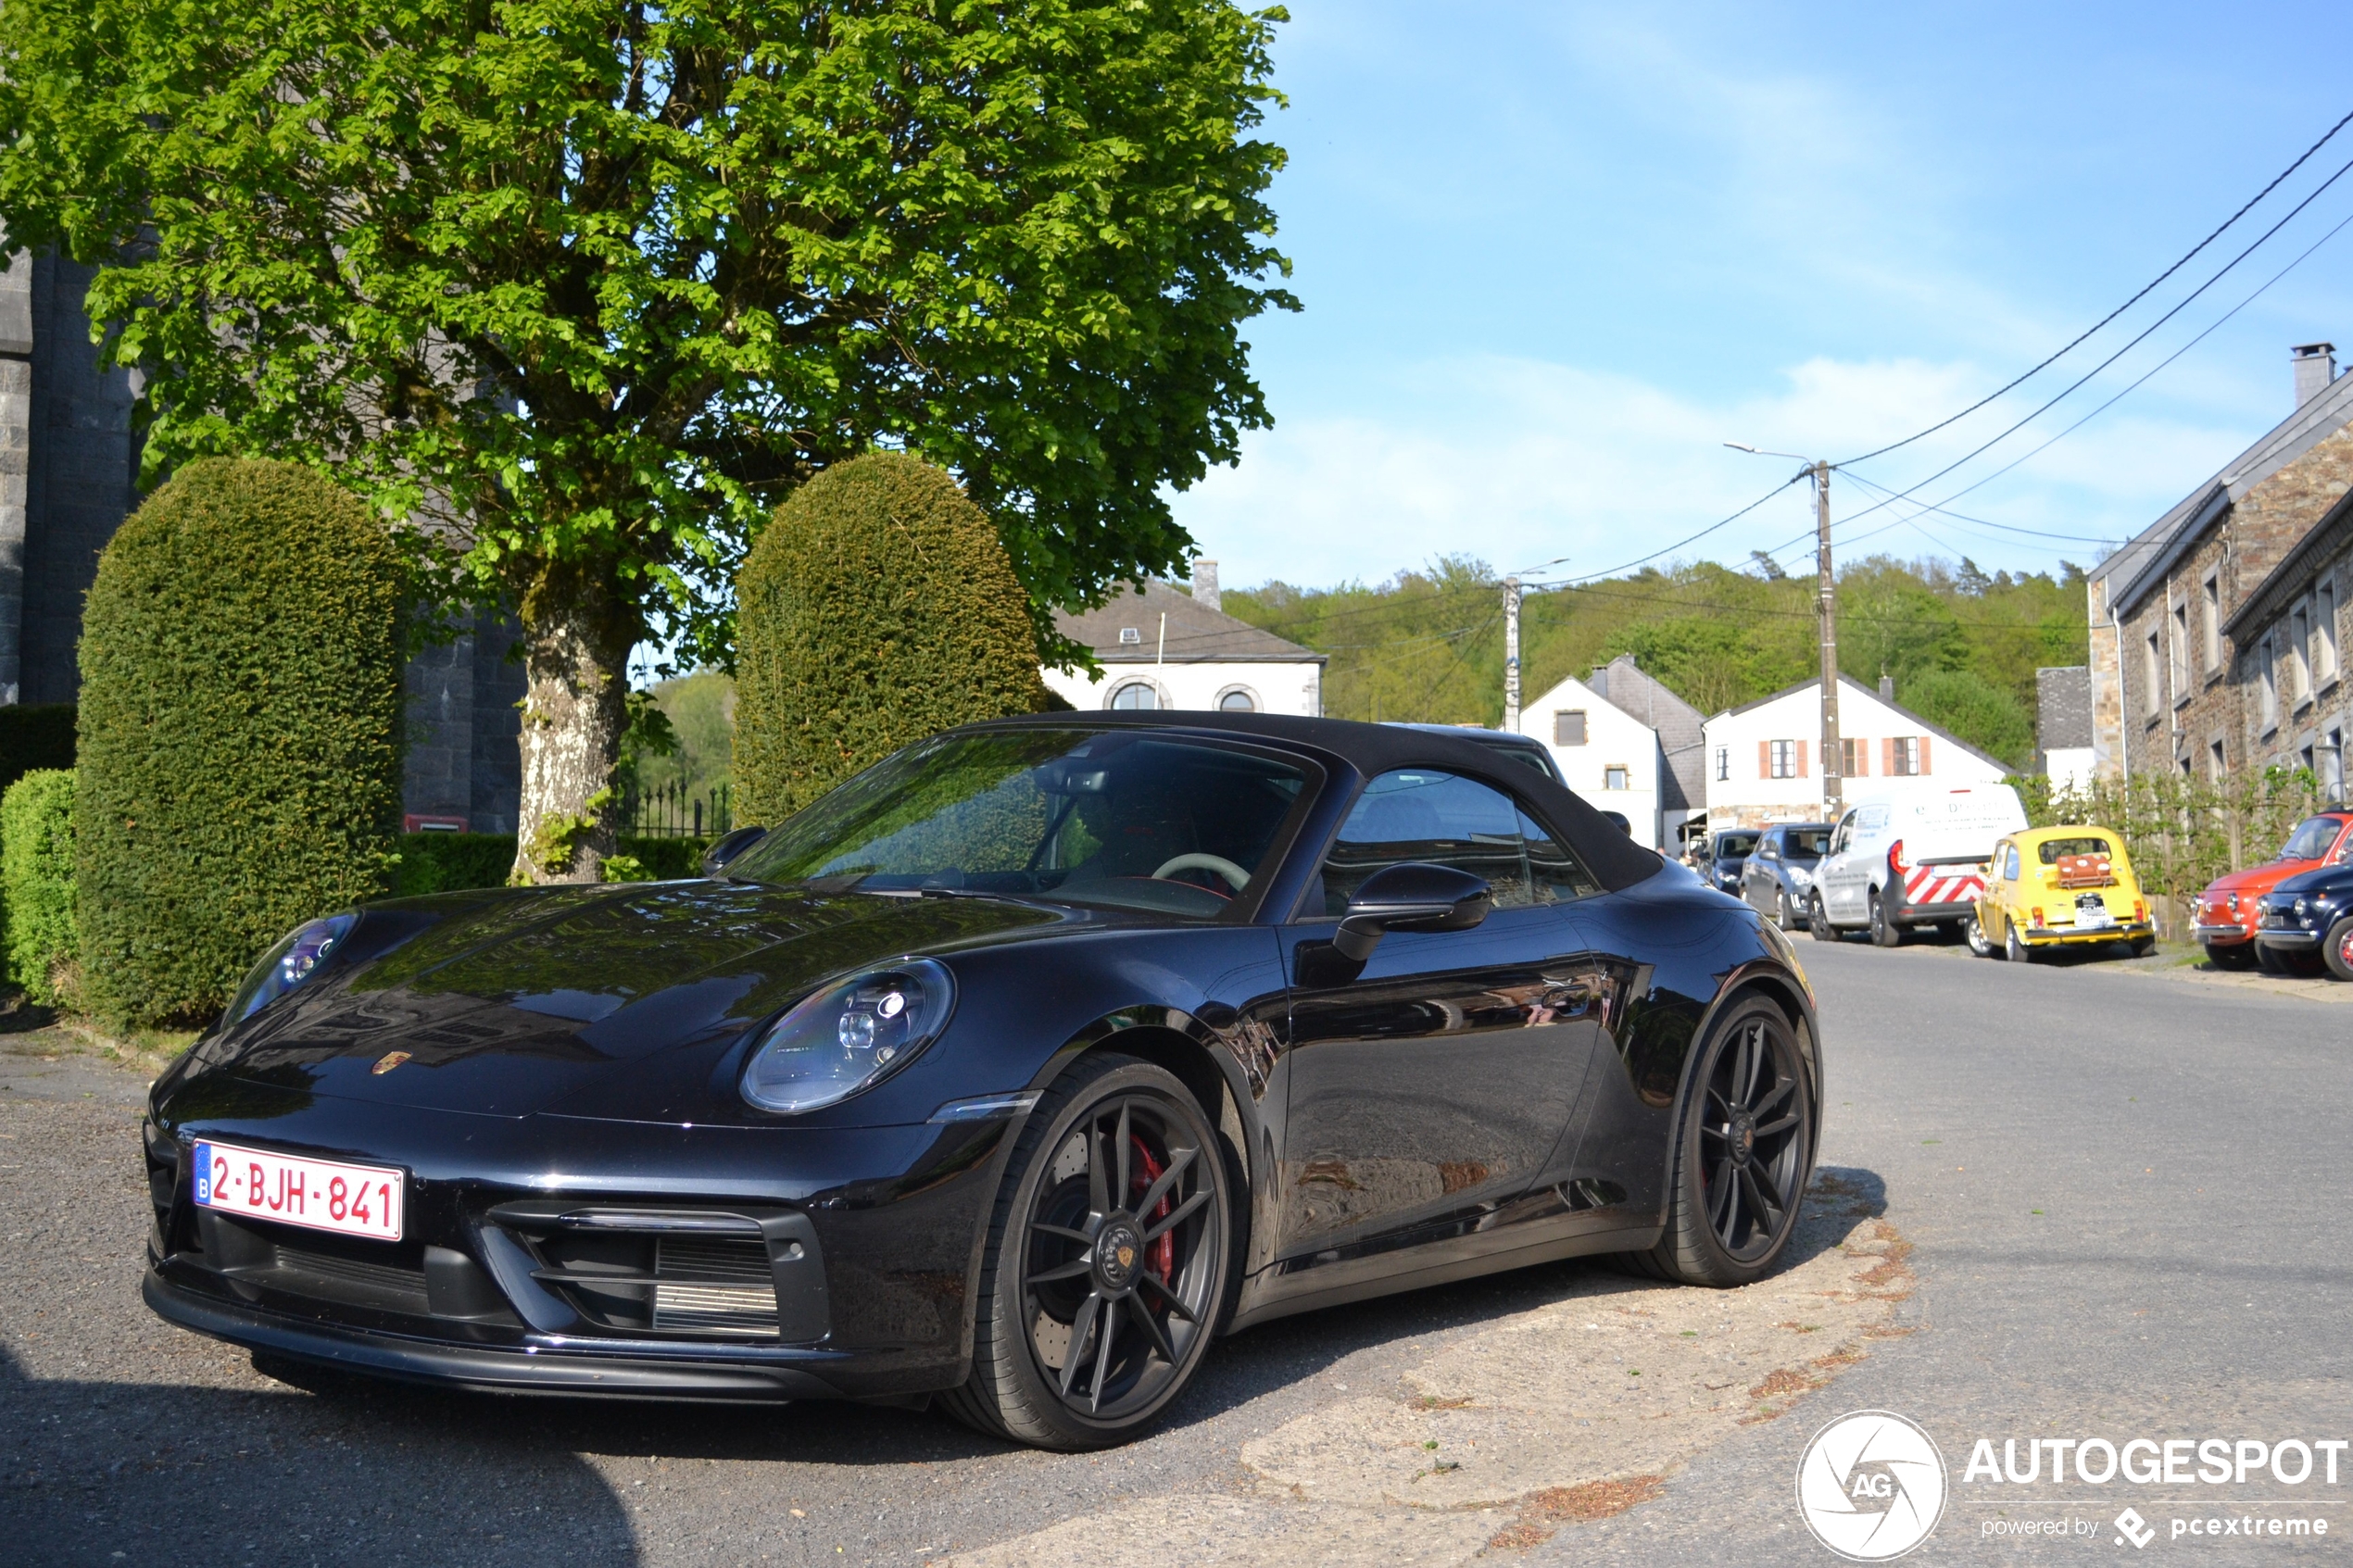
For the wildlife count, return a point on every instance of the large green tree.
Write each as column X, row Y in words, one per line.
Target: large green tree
column 594, row 283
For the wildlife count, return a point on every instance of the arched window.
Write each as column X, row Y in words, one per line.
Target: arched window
column 1136, row 695
column 1238, row 699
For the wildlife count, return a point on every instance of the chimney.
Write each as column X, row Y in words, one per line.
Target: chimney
column 1206, row 584
column 1886, row 687
column 2315, row 368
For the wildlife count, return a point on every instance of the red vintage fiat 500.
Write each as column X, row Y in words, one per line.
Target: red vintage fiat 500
column 2226, row 911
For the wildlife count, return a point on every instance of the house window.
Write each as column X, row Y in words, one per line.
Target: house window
column 1853, row 756
column 2155, row 676
column 1723, row 762
column 2210, row 630
column 2214, row 768
column 2267, row 679
column 1614, row 777
column 2332, row 767
column 1136, row 694
column 1903, row 754
column 1237, row 699
column 2181, row 647
column 2299, row 659
column 1783, row 760
column 1130, row 637
column 2324, row 632
column 1568, row 727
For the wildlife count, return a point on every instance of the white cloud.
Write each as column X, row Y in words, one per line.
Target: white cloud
column 1517, row 462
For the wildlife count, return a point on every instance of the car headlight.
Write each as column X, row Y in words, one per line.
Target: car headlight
column 294, row 959
column 2303, row 907
column 852, row 1033
column 1801, row 876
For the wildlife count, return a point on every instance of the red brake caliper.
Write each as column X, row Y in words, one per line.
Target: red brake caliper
column 1162, row 1256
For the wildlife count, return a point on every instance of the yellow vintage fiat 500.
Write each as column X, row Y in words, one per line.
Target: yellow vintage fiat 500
column 2060, row 887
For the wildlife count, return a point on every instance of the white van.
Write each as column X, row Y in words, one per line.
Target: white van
column 1908, row 857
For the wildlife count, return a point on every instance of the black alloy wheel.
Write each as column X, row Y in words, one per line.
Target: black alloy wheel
column 2231, row 954
column 1885, row 932
column 1818, row 920
column 2336, row 948
column 1107, row 1261
column 1744, row 1153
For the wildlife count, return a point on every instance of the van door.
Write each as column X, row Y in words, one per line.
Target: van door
column 1832, row 875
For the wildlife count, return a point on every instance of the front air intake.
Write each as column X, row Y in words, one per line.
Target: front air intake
column 713, row 1284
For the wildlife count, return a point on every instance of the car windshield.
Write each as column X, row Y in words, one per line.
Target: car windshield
column 2051, row 849
column 1078, row 816
column 2311, row 839
column 1806, row 844
column 1735, row 844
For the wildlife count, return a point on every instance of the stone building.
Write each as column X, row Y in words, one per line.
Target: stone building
column 2289, row 632
column 68, row 476
column 2174, row 683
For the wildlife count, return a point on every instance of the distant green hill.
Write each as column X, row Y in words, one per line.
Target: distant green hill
column 1428, row 645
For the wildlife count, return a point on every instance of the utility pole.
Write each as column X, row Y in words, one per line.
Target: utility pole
column 1834, row 760
column 1511, row 654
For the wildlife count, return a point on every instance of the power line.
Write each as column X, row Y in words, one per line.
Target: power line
column 1644, row 560
column 2120, row 310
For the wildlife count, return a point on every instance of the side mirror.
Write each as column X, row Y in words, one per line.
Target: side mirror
column 1416, row 895
column 729, row 847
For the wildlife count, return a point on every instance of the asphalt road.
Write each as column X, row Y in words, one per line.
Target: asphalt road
column 2122, row 1191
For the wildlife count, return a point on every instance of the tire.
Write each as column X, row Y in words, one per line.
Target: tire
column 1730, row 1211
column 2142, row 947
column 1130, row 1324
column 1885, row 932
column 1818, row 920
column 2012, row 948
column 2235, row 955
column 2267, row 960
column 2336, row 948
column 1978, row 943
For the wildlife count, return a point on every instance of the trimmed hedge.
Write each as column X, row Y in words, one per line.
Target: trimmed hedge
column 34, row 736
column 879, row 607
column 241, row 731
column 445, row 862
column 36, row 884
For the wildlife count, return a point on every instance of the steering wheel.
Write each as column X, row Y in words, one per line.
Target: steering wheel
column 1218, row 863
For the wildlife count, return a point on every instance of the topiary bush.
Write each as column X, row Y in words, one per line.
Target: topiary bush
column 444, row 863
column 241, row 730
column 36, row 884
column 879, row 607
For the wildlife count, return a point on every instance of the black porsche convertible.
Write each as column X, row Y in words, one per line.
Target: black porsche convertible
column 1010, row 1074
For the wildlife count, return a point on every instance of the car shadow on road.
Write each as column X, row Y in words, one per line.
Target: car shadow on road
column 1263, row 1362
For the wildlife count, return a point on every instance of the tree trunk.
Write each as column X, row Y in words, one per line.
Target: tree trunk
column 577, row 631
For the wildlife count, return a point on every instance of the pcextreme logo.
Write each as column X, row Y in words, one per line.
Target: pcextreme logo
column 1871, row 1485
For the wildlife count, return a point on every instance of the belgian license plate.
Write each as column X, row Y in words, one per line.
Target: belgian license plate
column 2093, row 912
column 321, row 1194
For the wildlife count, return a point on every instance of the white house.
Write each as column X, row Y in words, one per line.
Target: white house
column 1607, row 755
column 1764, row 760
column 1161, row 648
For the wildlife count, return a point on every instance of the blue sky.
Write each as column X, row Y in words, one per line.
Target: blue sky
column 1552, row 255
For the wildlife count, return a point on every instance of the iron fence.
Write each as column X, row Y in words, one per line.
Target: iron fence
column 676, row 812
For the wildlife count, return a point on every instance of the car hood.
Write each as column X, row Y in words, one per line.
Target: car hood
column 2256, row 879
column 2321, row 879
column 510, row 1002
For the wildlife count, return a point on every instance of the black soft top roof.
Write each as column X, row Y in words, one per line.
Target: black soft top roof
column 1607, row 852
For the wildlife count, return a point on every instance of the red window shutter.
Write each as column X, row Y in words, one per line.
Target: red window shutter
column 1862, row 749
column 1886, row 757
column 1764, row 760
column 1923, row 754
column 1801, row 760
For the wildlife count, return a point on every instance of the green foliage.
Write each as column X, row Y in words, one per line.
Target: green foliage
column 1428, row 645
column 241, row 714
column 36, row 884
column 1975, row 708
column 701, row 709
column 879, row 608
column 447, row 862
column 2184, row 831
column 608, row 279
column 34, row 736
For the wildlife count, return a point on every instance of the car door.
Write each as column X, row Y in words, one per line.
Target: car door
column 1838, row 871
column 1760, row 883
column 1435, row 1085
